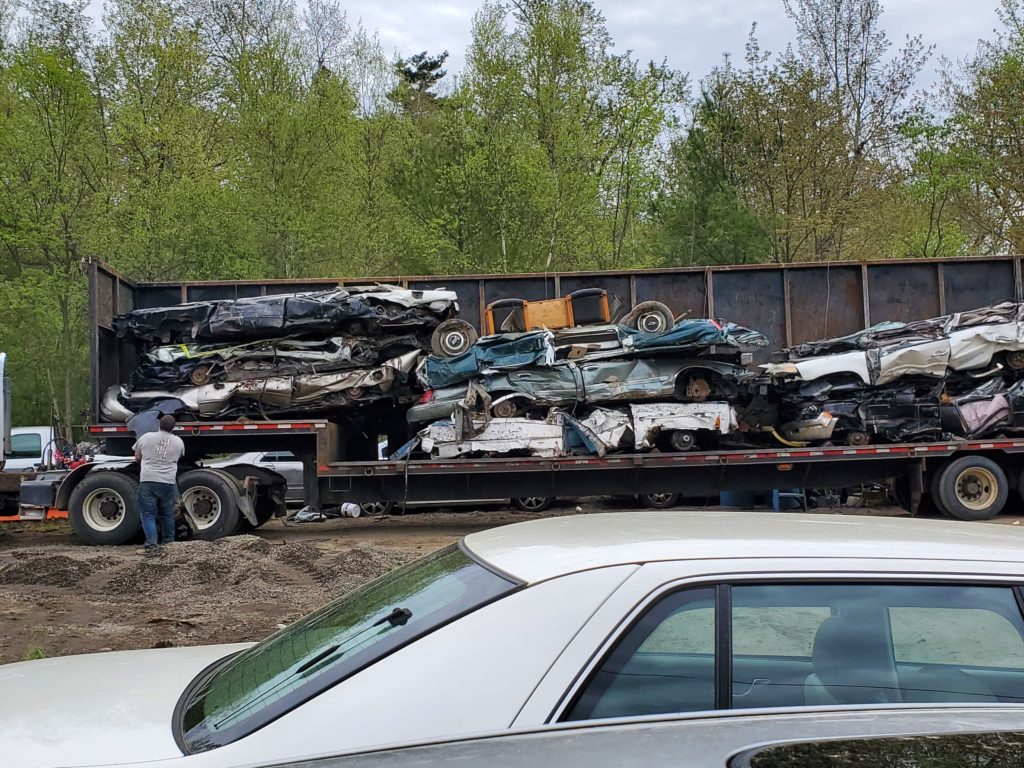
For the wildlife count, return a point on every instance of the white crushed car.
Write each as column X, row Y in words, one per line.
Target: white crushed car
column 605, row 617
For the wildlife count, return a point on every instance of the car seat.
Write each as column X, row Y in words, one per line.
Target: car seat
column 936, row 683
column 852, row 663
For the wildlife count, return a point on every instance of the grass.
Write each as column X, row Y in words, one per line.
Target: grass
column 33, row 653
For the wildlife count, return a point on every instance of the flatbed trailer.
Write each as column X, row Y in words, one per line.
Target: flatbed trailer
column 792, row 303
column 915, row 469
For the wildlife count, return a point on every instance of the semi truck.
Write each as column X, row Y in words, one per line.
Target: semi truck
column 792, row 303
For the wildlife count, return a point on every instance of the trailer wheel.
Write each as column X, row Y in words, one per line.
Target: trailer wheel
column 452, row 338
column 103, row 510
column 209, row 501
column 658, row 500
column 972, row 488
column 901, row 495
column 649, row 317
column 533, row 503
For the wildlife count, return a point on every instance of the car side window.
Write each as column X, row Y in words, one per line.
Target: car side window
column 834, row 644
column 664, row 663
column 961, row 749
column 27, row 445
column 269, row 458
column 800, row 644
column 936, row 635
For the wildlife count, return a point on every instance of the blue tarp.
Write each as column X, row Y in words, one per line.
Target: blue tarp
column 699, row 334
column 503, row 351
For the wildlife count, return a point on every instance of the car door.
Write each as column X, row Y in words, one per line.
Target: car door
column 550, row 386
column 26, row 450
column 624, row 380
column 286, row 464
column 757, row 642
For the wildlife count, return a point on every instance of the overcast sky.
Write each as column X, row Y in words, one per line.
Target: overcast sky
column 691, row 34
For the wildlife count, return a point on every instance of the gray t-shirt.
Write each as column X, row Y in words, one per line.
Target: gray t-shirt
column 160, row 453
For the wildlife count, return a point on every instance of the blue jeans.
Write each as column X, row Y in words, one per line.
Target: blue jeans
column 156, row 505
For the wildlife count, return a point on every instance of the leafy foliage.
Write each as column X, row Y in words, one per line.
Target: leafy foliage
column 228, row 139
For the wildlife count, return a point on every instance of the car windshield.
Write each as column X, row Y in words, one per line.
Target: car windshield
column 304, row 659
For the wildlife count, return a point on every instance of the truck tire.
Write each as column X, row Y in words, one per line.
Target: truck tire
column 102, row 508
column 650, row 317
column 452, row 338
column 658, row 500
column 533, row 503
column 210, row 502
column 972, row 488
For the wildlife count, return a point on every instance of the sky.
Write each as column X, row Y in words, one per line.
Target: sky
column 692, row 35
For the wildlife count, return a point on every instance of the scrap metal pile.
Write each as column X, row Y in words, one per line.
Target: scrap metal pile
column 593, row 390
column 952, row 377
column 577, row 390
column 280, row 355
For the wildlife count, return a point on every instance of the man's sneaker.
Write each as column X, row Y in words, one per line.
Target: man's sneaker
column 147, row 551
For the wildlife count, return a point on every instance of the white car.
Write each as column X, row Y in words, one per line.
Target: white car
column 851, row 736
column 597, row 617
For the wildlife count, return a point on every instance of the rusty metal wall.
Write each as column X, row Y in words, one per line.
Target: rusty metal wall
column 790, row 303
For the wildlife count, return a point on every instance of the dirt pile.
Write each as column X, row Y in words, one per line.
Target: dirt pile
column 231, row 590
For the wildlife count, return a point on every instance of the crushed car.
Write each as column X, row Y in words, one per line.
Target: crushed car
column 674, row 427
column 965, row 341
column 572, row 383
column 270, row 394
column 288, row 354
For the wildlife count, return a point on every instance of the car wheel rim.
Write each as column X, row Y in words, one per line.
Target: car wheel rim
column 652, row 322
column 454, row 342
column 682, row 441
column 659, row 498
column 532, row 503
column 505, row 410
column 374, row 507
column 977, row 489
column 103, row 509
column 202, row 506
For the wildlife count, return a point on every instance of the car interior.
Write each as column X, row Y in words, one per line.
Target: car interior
column 814, row 645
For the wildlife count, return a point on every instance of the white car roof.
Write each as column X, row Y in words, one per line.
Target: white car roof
column 541, row 549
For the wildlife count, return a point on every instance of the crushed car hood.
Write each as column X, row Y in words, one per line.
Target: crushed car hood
column 97, row 709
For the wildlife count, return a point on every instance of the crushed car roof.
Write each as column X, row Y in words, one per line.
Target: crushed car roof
column 542, row 549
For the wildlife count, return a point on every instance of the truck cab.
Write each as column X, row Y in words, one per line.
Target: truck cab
column 28, row 448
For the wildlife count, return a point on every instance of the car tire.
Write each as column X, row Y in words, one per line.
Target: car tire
column 452, row 338
column 972, row 488
column 209, row 501
column 533, row 503
column 658, row 500
column 103, row 508
column 650, row 317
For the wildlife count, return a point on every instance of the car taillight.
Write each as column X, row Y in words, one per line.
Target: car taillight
column 427, row 396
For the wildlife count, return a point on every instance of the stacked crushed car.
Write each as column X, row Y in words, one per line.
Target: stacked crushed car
column 549, row 386
column 282, row 355
column 593, row 390
column 959, row 375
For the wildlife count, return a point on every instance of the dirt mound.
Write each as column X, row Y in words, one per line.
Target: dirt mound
column 228, row 571
column 45, row 570
column 230, row 590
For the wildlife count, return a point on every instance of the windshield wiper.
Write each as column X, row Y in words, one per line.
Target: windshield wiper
column 397, row 618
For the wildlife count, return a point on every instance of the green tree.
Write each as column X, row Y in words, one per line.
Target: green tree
column 52, row 176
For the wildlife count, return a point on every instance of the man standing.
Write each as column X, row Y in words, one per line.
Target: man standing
column 158, row 453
